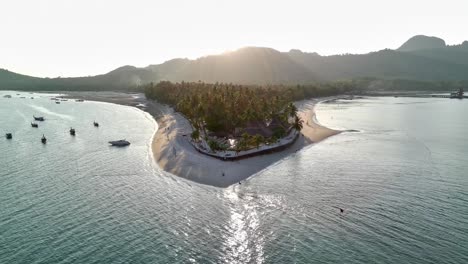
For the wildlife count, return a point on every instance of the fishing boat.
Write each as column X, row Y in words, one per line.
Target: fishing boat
column 39, row 118
column 34, row 124
column 96, row 124
column 119, row 143
column 72, row 131
column 8, row 135
column 43, row 139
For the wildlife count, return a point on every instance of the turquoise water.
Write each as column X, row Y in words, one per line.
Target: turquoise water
column 401, row 180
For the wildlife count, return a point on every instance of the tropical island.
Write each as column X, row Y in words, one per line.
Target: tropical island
column 233, row 121
column 205, row 127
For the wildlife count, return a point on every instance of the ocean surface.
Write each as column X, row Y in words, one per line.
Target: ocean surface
column 402, row 182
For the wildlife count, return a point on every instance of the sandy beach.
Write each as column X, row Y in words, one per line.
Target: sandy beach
column 174, row 153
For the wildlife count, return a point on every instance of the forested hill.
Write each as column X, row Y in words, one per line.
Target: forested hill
column 421, row 58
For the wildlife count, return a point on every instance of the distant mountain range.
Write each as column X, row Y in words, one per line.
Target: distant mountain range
column 421, row 58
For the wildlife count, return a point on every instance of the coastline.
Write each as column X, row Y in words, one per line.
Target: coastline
column 175, row 154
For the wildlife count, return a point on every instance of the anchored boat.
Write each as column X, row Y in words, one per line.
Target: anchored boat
column 119, row 143
column 43, row 139
column 39, row 118
column 458, row 94
column 34, row 124
column 72, row 131
column 8, row 135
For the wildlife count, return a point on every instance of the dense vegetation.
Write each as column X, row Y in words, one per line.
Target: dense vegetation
column 252, row 114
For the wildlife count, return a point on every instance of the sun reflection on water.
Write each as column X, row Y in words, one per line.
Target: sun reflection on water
column 241, row 242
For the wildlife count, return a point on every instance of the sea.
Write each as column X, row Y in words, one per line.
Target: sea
column 401, row 180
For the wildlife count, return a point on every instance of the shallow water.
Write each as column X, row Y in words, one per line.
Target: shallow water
column 401, row 182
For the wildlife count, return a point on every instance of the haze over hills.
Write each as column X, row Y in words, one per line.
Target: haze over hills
column 421, row 58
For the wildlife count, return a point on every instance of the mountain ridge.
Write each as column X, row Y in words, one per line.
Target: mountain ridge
column 420, row 58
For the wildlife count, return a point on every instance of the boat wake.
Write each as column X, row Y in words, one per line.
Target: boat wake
column 51, row 113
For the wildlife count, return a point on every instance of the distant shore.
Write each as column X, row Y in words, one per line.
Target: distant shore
column 175, row 154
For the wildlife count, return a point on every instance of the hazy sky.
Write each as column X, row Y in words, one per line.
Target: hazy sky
column 87, row 37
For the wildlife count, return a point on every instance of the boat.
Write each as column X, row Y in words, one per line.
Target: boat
column 8, row 135
column 43, row 139
column 34, row 124
column 7, row 96
column 457, row 94
column 96, row 124
column 39, row 118
column 119, row 143
column 57, row 102
column 79, row 100
column 72, row 131
column 63, row 100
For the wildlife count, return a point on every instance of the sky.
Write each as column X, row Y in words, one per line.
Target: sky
column 51, row 38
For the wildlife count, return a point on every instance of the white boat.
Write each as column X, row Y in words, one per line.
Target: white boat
column 119, row 143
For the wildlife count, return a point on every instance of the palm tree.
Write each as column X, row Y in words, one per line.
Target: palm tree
column 292, row 110
column 298, row 123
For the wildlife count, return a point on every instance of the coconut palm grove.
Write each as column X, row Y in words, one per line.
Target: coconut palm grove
column 248, row 114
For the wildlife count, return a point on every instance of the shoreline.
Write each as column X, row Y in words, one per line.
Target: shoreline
column 174, row 154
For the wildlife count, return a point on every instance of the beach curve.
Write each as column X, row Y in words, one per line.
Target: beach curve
column 175, row 154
